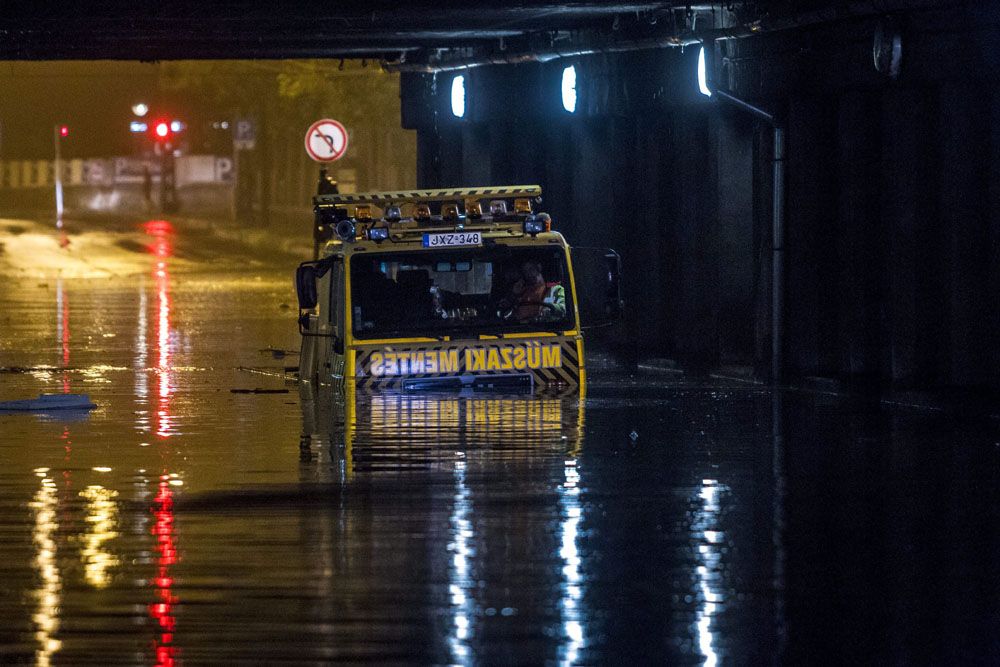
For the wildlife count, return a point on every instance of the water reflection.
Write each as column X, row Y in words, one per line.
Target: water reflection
column 102, row 525
column 429, row 430
column 62, row 324
column 162, row 249
column 48, row 596
column 572, row 512
column 460, row 585
column 484, row 446
column 140, row 362
column 161, row 611
column 709, row 539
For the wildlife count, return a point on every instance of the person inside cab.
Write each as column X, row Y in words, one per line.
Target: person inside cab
column 532, row 298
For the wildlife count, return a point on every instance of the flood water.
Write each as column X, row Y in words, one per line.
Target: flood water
column 650, row 522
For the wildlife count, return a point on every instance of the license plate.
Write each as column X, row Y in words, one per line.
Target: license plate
column 452, row 239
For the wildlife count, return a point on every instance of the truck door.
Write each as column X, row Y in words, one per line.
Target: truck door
column 321, row 294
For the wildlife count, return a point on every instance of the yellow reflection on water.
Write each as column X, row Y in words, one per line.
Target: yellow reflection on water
column 141, row 360
column 102, row 522
column 49, row 594
column 503, row 425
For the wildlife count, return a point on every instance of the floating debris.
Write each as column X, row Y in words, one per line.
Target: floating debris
column 258, row 390
column 46, row 402
column 277, row 353
column 282, row 373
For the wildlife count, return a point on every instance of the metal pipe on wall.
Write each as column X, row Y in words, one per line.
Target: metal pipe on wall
column 778, row 256
column 777, row 228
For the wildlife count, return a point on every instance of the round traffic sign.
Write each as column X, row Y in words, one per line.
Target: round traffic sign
column 326, row 140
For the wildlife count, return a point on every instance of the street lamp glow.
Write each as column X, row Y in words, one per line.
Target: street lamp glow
column 458, row 96
column 702, row 74
column 569, row 89
column 140, row 109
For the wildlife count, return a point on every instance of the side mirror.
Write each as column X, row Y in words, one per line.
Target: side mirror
column 598, row 274
column 305, row 285
column 614, row 304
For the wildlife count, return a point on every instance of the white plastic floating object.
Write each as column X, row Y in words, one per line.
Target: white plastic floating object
column 46, row 402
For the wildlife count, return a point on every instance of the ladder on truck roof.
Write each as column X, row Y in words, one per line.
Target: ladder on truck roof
column 414, row 196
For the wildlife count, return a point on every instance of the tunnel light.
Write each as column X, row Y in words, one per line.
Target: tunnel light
column 458, row 96
column 702, row 74
column 569, row 89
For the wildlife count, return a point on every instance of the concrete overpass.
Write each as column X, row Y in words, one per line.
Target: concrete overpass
column 889, row 112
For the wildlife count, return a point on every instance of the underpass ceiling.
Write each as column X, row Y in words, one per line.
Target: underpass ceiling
column 412, row 31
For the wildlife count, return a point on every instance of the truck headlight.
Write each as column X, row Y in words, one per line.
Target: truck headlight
column 345, row 230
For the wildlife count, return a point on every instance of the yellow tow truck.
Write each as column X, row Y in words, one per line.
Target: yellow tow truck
column 447, row 290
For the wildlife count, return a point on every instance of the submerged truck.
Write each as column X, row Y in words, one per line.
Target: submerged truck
column 442, row 290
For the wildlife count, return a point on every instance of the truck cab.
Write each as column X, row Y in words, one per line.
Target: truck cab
column 443, row 290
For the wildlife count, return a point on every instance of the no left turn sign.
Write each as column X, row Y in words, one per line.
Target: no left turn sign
column 326, row 140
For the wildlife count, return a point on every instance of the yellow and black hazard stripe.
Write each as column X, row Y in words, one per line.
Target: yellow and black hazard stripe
column 405, row 196
column 565, row 375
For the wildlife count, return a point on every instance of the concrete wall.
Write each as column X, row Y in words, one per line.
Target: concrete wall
column 893, row 204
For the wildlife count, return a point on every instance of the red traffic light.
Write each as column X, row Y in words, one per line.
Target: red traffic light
column 162, row 130
column 63, row 130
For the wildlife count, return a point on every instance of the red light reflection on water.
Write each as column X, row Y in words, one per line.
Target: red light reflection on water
column 162, row 233
column 161, row 610
column 65, row 331
column 162, row 248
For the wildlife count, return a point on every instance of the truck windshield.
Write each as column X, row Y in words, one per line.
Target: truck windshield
column 466, row 291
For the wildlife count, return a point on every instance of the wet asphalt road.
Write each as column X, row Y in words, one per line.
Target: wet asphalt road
column 652, row 522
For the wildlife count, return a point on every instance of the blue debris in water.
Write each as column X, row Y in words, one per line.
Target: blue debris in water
column 46, row 402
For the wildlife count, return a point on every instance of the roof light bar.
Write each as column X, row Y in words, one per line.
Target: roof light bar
column 414, row 196
column 473, row 208
column 422, row 212
column 393, row 212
